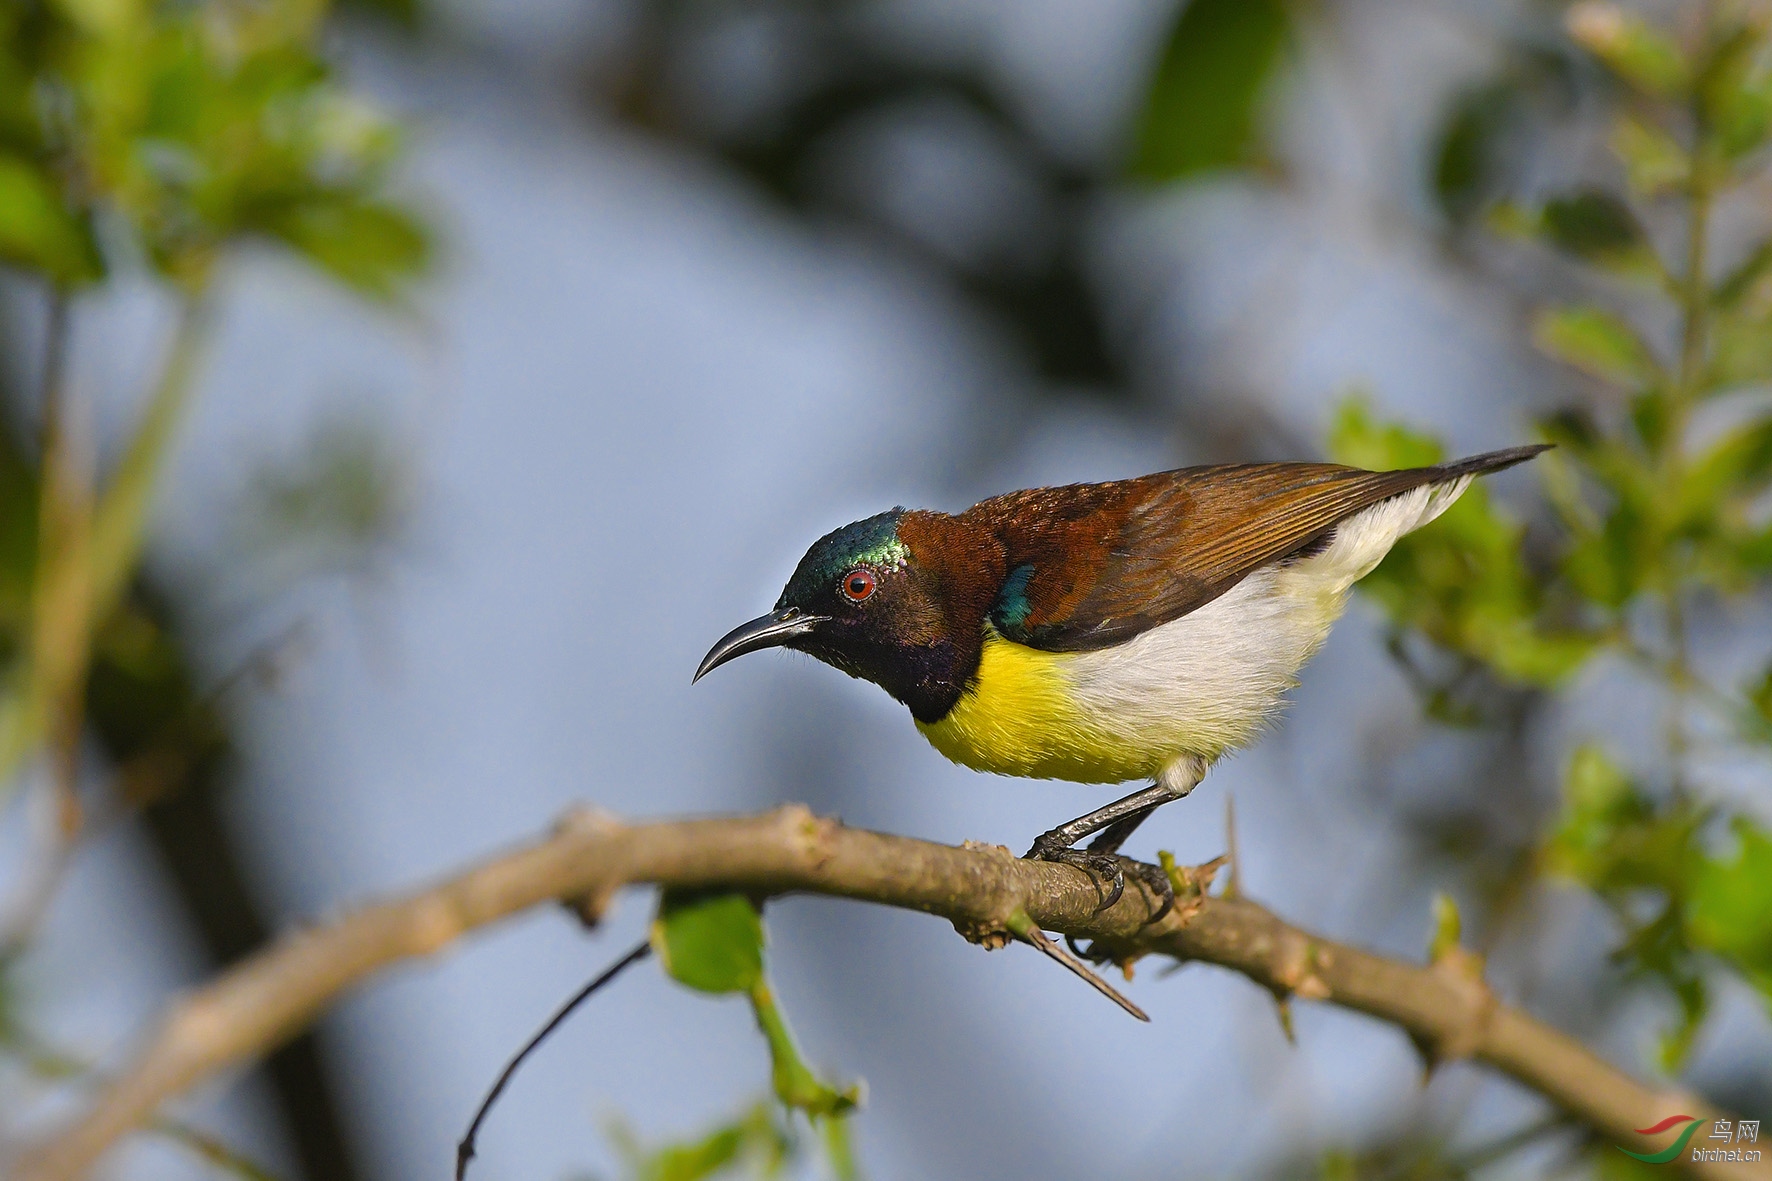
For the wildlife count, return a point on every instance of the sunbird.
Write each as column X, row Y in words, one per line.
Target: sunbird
column 1101, row 633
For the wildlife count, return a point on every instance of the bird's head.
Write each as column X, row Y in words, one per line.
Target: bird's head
column 897, row 599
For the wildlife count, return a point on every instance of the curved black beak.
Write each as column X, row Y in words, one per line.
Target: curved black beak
column 769, row 631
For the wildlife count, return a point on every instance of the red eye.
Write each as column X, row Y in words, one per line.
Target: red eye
column 858, row 584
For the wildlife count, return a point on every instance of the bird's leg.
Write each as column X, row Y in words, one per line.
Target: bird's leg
column 1114, row 824
column 1140, row 803
column 1109, row 840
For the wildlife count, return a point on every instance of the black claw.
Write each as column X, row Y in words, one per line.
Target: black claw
column 1116, row 888
column 1110, row 870
column 1107, row 869
column 1160, row 885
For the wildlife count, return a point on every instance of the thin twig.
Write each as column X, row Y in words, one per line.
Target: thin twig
column 82, row 575
column 465, row 1148
column 268, row 997
column 1233, row 886
column 60, row 643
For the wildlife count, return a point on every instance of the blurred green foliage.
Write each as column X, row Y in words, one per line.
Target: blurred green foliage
column 1654, row 501
column 140, row 138
column 134, row 129
column 1689, row 897
column 135, row 134
column 1597, row 342
column 1487, row 128
column 336, row 505
column 1203, row 107
column 755, row 1144
column 1464, row 583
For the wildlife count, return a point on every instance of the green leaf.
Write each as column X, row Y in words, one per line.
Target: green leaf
column 714, row 943
column 693, row 1162
column 1598, row 797
column 1759, row 699
column 710, row 942
column 1633, row 49
column 105, row 18
column 1592, row 225
column 1735, row 286
column 1735, row 92
column 1448, row 926
column 1754, row 550
column 1741, row 351
column 372, row 247
column 38, row 231
column 754, row 1138
column 1730, row 905
column 200, row 126
column 1654, row 162
column 1616, row 546
column 1609, row 565
column 1596, row 341
column 1203, row 106
column 756, row 1141
column 1468, row 161
column 1737, row 464
column 1742, row 124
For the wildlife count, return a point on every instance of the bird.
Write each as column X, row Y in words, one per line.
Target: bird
column 1136, row 629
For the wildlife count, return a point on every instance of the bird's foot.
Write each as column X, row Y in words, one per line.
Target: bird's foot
column 1110, row 871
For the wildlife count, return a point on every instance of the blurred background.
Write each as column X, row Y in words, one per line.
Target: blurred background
column 577, row 322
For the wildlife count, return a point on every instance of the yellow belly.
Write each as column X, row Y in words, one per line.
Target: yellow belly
column 1019, row 717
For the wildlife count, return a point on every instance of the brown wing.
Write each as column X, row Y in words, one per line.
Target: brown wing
column 1092, row 565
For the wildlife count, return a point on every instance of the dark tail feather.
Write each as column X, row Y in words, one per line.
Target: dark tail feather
column 1489, row 461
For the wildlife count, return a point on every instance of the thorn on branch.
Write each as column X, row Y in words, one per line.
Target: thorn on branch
column 1283, row 1010
column 1299, row 971
column 1022, row 925
column 1190, row 882
column 988, row 936
column 1463, row 969
column 590, row 908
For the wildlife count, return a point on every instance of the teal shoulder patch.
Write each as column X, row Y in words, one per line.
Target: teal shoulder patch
column 1011, row 608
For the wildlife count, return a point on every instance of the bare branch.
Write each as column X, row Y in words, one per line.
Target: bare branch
column 1445, row 1008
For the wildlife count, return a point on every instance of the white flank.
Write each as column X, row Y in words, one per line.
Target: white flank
column 1206, row 683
